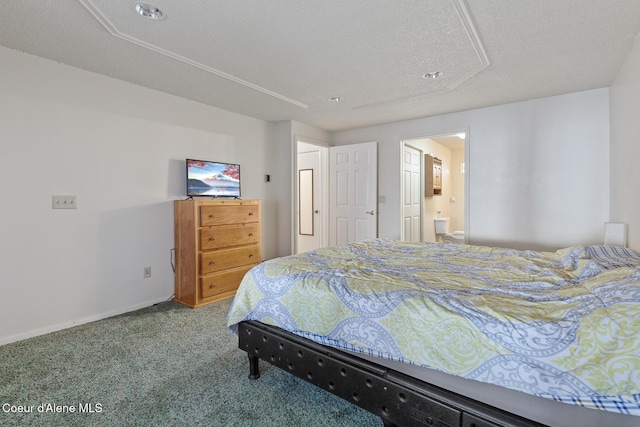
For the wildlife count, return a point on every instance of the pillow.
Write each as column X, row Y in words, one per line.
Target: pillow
column 613, row 256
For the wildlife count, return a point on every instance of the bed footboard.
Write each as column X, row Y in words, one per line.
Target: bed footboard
column 398, row 399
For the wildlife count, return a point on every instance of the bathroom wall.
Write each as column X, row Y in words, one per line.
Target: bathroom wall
column 437, row 203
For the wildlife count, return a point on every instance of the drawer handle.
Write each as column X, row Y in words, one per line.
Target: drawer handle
column 250, row 234
column 250, row 255
column 212, row 262
column 250, row 213
column 212, row 238
column 211, row 216
column 212, row 286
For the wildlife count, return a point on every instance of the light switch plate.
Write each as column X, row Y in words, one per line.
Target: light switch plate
column 64, row 202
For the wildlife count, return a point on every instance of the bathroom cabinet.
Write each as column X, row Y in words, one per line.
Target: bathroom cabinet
column 433, row 176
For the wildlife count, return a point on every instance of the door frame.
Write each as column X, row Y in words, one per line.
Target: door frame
column 467, row 180
column 324, row 193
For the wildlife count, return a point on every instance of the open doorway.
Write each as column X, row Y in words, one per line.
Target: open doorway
column 311, row 201
column 444, row 157
column 335, row 194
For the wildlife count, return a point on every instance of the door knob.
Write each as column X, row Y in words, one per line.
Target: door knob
column 316, row 211
column 370, row 212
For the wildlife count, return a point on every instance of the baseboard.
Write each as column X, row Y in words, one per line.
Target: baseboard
column 77, row 322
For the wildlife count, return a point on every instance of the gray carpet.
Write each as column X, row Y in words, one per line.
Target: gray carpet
column 166, row 365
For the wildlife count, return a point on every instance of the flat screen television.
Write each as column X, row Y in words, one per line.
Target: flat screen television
column 213, row 179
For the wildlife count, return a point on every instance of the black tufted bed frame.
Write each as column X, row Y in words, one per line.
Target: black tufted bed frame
column 398, row 399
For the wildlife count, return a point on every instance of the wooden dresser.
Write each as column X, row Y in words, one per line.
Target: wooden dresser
column 216, row 243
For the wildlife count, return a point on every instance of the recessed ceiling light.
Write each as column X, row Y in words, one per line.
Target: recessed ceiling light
column 433, row 75
column 335, row 99
column 149, row 11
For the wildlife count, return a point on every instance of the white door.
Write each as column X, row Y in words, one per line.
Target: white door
column 353, row 190
column 411, row 194
column 310, row 224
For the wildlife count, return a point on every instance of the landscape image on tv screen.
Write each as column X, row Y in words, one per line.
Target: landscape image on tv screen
column 214, row 179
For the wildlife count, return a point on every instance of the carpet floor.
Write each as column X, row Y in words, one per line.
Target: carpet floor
column 166, row 365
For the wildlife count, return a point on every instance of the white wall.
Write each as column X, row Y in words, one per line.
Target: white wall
column 537, row 170
column 120, row 149
column 625, row 146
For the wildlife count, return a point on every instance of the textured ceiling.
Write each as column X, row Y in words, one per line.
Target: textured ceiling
column 283, row 59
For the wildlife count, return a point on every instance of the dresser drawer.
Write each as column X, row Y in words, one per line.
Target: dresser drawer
column 224, row 259
column 228, row 235
column 219, row 283
column 230, row 214
column 216, row 242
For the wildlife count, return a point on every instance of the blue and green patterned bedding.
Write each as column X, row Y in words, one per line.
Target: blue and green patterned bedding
column 563, row 325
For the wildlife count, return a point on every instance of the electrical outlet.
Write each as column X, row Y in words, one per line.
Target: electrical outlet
column 63, row 202
column 147, row 272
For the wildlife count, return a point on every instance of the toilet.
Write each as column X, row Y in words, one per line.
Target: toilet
column 442, row 232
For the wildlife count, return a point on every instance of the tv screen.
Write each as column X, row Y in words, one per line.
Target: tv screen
column 214, row 179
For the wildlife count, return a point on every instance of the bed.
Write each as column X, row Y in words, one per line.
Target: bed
column 454, row 335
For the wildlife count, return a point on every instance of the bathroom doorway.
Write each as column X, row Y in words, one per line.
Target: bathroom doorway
column 450, row 200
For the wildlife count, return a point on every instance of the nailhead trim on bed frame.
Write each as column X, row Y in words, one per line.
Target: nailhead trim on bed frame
column 398, row 399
